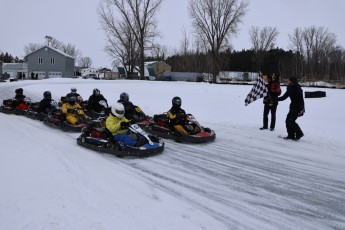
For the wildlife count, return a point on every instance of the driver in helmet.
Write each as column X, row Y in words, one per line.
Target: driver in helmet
column 73, row 111
column 19, row 99
column 118, row 125
column 132, row 112
column 74, row 93
column 177, row 116
column 45, row 105
column 94, row 99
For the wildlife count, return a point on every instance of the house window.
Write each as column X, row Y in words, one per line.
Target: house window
column 52, row 61
column 40, row 60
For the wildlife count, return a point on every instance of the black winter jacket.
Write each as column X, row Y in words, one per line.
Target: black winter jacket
column 295, row 93
column 93, row 102
column 129, row 107
column 44, row 104
column 176, row 115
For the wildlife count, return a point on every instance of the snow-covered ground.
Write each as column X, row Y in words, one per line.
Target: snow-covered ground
column 245, row 179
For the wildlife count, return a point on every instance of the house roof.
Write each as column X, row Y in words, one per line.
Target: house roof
column 151, row 71
column 150, row 62
column 121, row 70
column 56, row 50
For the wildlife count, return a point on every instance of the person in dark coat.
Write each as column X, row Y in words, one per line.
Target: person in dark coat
column 295, row 92
column 74, row 93
column 177, row 117
column 19, row 99
column 45, row 105
column 94, row 99
column 132, row 112
column 271, row 101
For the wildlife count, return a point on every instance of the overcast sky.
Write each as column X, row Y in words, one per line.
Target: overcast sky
column 76, row 22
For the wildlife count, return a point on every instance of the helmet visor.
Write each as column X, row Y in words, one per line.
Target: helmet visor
column 177, row 102
column 120, row 112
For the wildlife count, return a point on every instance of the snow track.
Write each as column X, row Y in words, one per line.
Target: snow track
column 235, row 182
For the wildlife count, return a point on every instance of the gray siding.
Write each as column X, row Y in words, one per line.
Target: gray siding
column 41, row 61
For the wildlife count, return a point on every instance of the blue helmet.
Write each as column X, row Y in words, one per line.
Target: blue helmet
column 124, row 96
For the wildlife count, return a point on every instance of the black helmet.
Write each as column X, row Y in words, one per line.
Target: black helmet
column 176, row 102
column 124, row 96
column 72, row 100
column 96, row 91
column 19, row 90
column 47, row 95
column 73, row 90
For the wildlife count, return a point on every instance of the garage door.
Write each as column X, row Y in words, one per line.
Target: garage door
column 55, row 74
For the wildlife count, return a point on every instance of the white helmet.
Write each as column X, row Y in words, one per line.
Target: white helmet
column 118, row 110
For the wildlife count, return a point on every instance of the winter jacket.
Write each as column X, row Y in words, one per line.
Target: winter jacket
column 45, row 104
column 67, row 106
column 113, row 124
column 274, row 92
column 76, row 95
column 72, row 117
column 20, row 98
column 129, row 107
column 295, row 93
column 176, row 115
column 71, row 94
column 93, row 102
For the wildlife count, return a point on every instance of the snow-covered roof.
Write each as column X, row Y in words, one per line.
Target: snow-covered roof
column 150, row 62
column 56, row 50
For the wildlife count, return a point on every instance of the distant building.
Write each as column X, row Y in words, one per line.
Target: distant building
column 48, row 62
column 15, row 70
column 116, row 73
column 158, row 67
column 182, row 76
column 227, row 76
column 87, row 71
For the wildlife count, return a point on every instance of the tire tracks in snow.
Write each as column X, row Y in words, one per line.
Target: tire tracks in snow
column 230, row 177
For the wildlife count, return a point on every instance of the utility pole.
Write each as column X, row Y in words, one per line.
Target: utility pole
column 49, row 38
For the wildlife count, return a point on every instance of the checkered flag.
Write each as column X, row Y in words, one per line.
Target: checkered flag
column 259, row 90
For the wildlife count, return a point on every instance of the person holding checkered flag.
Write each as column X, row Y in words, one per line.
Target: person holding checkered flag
column 258, row 91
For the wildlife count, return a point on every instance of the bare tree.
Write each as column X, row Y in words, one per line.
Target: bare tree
column 319, row 42
column 31, row 47
column 158, row 51
column 316, row 44
column 337, row 61
column 262, row 41
column 70, row 50
column 214, row 22
column 139, row 16
column 85, row 62
column 120, row 43
column 296, row 39
column 185, row 43
column 185, row 51
column 54, row 43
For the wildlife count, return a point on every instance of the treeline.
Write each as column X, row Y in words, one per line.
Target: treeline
column 8, row 58
column 287, row 63
column 274, row 61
